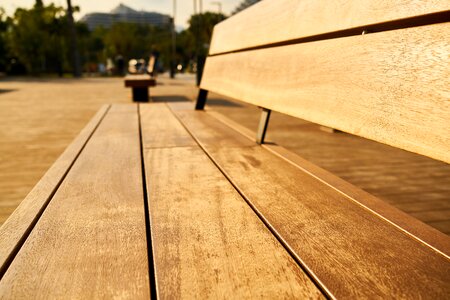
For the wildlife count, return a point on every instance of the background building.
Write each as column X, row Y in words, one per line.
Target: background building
column 123, row 13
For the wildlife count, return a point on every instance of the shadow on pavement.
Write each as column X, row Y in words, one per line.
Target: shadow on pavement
column 7, row 90
column 222, row 102
column 170, row 98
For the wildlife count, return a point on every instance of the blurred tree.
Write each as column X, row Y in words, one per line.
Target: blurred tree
column 37, row 37
column 201, row 28
column 4, row 54
column 76, row 67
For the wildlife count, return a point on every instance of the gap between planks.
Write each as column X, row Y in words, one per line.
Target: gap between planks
column 318, row 283
column 150, row 258
column 206, row 141
column 438, row 242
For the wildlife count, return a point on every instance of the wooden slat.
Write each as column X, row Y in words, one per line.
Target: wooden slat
column 207, row 242
column 401, row 219
column 392, row 87
column 161, row 129
column 90, row 242
column 121, row 107
column 271, row 22
column 19, row 224
column 351, row 250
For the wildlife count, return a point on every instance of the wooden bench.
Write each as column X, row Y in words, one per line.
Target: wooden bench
column 140, row 83
column 161, row 200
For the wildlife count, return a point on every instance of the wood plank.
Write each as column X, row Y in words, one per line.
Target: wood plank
column 207, row 241
column 327, row 230
column 91, row 240
column 161, row 129
column 19, row 224
column 123, row 107
column 401, row 219
column 376, row 86
column 442, row 225
column 269, row 22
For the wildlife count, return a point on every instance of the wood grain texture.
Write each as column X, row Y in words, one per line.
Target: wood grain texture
column 392, row 87
column 123, row 107
column 91, row 240
column 270, row 22
column 408, row 223
column 327, row 230
column 161, row 129
column 19, row 224
column 207, row 241
column 40, row 118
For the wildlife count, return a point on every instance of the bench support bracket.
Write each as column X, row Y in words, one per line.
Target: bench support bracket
column 140, row 94
column 201, row 99
column 262, row 127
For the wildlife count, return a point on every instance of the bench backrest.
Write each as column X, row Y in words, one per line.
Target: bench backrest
column 151, row 65
column 377, row 69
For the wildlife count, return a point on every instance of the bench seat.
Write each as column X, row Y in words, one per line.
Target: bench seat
column 139, row 84
column 161, row 200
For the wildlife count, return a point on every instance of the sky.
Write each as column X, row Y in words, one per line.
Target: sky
column 185, row 8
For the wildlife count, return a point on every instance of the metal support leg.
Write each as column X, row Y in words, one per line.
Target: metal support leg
column 140, row 94
column 262, row 127
column 201, row 99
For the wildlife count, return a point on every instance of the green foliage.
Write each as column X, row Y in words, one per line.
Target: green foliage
column 201, row 28
column 4, row 24
column 39, row 39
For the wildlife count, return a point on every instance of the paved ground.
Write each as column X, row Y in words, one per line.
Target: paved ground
column 39, row 118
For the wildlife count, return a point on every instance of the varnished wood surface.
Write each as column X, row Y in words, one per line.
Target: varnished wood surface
column 409, row 223
column 269, row 22
column 290, row 133
column 161, row 129
column 403, row 179
column 325, row 229
column 40, row 118
column 19, row 224
column 376, row 86
column 90, row 242
column 207, row 242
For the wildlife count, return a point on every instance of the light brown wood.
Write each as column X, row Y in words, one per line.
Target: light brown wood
column 270, row 22
column 396, row 177
column 123, row 107
column 327, row 230
column 90, row 242
column 161, row 129
column 410, row 224
column 19, row 224
column 40, row 118
column 391, row 87
column 207, row 241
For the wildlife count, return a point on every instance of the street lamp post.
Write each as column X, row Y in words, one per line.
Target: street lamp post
column 174, row 41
